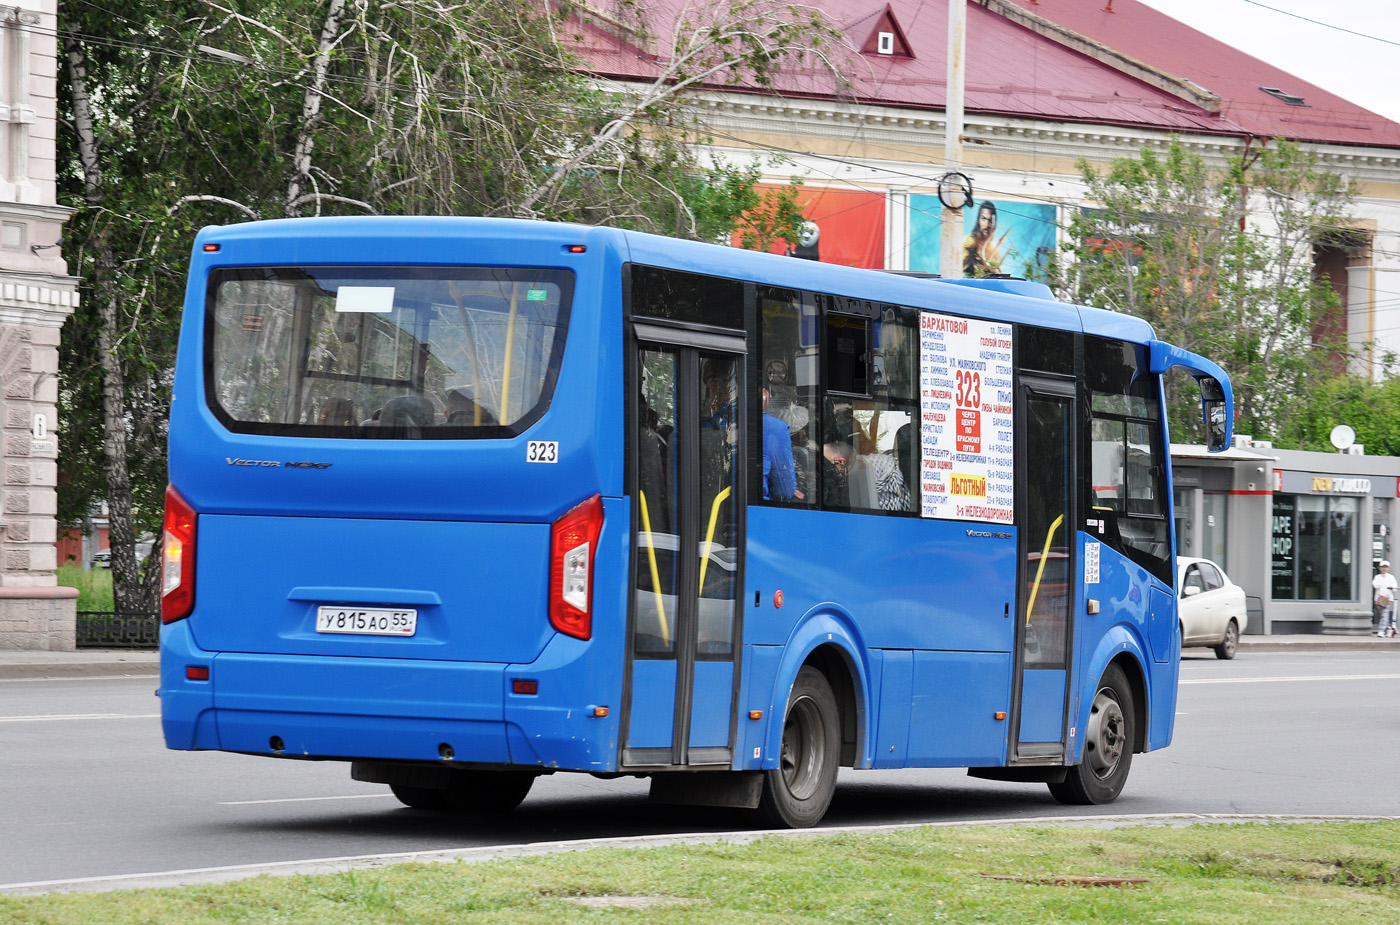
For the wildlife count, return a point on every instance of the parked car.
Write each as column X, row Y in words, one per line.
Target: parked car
column 1210, row 607
column 103, row 559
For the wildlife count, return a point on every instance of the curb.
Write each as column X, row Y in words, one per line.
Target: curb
column 16, row 667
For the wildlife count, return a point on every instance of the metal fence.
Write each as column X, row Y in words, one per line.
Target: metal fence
column 98, row 629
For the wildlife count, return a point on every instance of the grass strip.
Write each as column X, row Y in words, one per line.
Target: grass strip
column 1216, row 874
column 94, row 585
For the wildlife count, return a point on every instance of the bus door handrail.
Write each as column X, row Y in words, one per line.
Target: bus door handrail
column 710, row 536
column 655, row 572
column 1040, row 571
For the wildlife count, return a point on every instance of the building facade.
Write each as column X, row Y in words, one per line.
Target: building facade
column 1048, row 84
column 36, row 297
column 1303, row 533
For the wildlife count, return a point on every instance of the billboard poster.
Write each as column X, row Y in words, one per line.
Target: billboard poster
column 965, row 405
column 850, row 225
column 1015, row 238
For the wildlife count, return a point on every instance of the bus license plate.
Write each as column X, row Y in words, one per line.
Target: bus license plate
column 366, row 621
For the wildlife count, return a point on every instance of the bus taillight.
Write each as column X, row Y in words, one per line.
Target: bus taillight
column 573, row 542
column 177, row 578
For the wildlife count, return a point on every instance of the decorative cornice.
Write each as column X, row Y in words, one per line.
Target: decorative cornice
column 750, row 114
column 37, row 299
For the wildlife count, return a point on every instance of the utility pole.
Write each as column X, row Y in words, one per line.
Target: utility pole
column 950, row 249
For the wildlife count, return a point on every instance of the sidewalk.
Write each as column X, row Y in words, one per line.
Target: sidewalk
column 136, row 663
column 84, row 663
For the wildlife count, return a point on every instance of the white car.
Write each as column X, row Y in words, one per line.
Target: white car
column 1210, row 607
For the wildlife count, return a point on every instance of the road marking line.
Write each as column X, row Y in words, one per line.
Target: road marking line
column 353, row 796
column 44, row 718
column 1329, row 677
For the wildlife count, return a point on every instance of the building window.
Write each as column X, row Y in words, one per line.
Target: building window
column 1314, row 548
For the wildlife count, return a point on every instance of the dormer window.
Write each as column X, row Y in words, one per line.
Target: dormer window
column 1292, row 99
column 886, row 38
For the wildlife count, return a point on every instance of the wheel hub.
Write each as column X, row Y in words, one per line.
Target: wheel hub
column 1106, row 734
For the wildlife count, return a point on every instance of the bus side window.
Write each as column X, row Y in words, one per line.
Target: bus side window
column 870, row 447
column 788, row 387
column 1126, row 478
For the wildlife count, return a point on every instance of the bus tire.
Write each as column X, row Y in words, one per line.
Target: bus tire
column 420, row 797
column 488, row 791
column 1108, row 745
column 798, row 791
column 1230, row 643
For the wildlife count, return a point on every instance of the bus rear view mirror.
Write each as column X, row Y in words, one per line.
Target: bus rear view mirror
column 1213, row 410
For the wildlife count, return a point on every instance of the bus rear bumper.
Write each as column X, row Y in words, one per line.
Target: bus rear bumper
column 297, row 706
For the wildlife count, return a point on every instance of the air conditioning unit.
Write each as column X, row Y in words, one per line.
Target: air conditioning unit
column 1263, row 444
column 1356, row 449
column 1243, row 441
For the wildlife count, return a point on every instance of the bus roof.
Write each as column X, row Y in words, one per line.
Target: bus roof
column 436, row 240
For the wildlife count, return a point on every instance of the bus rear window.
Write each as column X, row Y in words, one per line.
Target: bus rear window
column 392, row 352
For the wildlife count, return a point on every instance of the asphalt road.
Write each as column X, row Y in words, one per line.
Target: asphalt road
column 90, row 791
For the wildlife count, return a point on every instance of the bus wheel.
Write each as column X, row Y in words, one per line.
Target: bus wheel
column 1108, row 745
column 488, row 791
column 420, row 797
column 798, row 791
column 1230, row 643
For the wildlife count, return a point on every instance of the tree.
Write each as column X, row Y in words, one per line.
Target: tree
column 192, row 112
column 1220, row 263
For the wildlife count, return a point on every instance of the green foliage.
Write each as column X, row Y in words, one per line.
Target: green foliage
column 775, row 216
column 1171, row 241
column 1372, row 409
column 206, row 112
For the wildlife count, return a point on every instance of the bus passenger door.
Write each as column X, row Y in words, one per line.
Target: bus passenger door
column 687, row 435
column 1045, row 626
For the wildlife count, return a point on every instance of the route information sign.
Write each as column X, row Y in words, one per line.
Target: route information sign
column 966, row 418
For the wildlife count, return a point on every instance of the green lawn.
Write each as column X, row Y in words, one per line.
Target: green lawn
column 94, row 585
column 1215, row 874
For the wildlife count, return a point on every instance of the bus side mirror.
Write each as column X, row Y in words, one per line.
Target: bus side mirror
column 1213, row 410
column 1215, row 425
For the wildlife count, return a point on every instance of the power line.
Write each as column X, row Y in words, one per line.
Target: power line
column 1317, row 22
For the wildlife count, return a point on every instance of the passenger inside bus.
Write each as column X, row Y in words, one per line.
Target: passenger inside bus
column 337, row 412
column 407, row 413
column 779, row 474
column 463, row 410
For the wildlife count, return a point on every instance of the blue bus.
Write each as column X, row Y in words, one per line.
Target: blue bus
column 466, row 501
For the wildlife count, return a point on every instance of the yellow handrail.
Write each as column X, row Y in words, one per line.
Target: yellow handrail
column 510, row 350
column 458, row 296
column 655, row 572
column 1039, row 572
column 709, row 537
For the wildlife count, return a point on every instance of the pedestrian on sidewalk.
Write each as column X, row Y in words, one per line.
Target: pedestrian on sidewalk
column 1385, row 586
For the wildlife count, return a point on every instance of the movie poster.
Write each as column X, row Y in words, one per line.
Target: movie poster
column 850, row 225
column 1014, row 238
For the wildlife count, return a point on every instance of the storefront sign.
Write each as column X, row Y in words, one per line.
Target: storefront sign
column 1323, row 485
column 1284, row 513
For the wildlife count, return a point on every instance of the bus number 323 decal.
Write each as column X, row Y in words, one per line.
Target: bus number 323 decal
column 542, row 451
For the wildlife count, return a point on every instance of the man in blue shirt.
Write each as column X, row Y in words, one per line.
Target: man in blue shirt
column 779, row 473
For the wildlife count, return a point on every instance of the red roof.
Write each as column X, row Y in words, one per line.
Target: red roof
column 1014, row 70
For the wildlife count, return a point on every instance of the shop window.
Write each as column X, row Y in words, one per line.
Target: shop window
column 1314, row 548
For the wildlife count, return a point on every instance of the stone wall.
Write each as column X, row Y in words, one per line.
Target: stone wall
column 39, row 618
